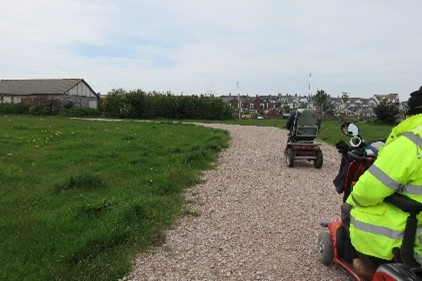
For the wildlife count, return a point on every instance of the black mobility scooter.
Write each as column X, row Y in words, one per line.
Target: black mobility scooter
column 300, row 143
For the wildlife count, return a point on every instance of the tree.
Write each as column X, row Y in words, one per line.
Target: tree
column 115, row 104
column 321, row 100
column 386, row 112
column 345, row 97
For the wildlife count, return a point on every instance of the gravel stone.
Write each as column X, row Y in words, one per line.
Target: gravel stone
column 257, row 218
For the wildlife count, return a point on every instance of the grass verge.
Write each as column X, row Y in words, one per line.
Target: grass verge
column 79, row 199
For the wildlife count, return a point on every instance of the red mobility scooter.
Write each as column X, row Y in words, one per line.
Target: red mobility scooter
column 334, row 245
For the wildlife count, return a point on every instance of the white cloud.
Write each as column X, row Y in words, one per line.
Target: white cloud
column 198, row 46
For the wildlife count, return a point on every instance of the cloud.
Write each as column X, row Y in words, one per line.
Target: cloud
column 360, row 47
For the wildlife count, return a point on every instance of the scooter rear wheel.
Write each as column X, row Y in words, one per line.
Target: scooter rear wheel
column 325, row 248
column 290, row 157
column 320, row 159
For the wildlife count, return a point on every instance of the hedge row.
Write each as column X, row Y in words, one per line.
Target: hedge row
column 141, row 105
column 136, row 105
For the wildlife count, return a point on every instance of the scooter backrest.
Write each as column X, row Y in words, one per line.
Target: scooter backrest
column 354, row 171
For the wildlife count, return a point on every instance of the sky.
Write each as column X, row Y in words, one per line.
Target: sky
column 219, row 47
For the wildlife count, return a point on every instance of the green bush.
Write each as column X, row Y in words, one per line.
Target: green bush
column 40, row 109
column 115, row 105
column 386, row 113
column 68, row 104
column 14, row 108
column 79, row 112
column 140, row 105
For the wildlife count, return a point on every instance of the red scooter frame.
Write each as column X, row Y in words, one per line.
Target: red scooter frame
column 328, row 248
column 332, row 228
column 385, row 272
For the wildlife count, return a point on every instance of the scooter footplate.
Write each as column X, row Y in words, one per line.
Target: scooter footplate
column 400, row 271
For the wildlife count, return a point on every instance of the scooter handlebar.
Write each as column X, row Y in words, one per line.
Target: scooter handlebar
column 357, row 155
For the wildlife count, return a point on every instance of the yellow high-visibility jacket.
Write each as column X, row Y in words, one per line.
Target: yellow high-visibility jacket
column 377, row 227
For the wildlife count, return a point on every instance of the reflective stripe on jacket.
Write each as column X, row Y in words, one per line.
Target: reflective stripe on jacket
column 377, row 227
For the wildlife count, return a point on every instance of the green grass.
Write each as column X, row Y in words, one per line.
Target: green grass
column 329, row 131
column 79, row 199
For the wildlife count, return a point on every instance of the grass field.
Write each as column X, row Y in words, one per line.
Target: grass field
column 78, row 199
column 330, row 130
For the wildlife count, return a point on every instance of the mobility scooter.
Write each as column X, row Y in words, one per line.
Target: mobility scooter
column 300, row 143
column 333, row 245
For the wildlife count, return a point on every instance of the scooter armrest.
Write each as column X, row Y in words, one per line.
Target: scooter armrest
column 404, row 203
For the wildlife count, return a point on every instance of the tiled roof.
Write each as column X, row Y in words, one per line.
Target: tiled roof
column 37, row 86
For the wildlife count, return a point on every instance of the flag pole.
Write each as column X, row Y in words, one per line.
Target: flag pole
column 238, row 98
column 309, row 87
column 309, row 91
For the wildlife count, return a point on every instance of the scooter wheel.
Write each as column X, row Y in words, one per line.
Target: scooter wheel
column 325, row 248
column 290, row 157
column 320, row 159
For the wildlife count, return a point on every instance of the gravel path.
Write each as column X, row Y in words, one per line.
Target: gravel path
column 258, row 219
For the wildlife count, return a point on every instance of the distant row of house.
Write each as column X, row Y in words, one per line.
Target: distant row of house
column 275, row 106
column 79, row 92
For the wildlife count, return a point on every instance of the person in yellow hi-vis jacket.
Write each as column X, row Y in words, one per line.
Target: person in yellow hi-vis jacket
column 376, row 227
